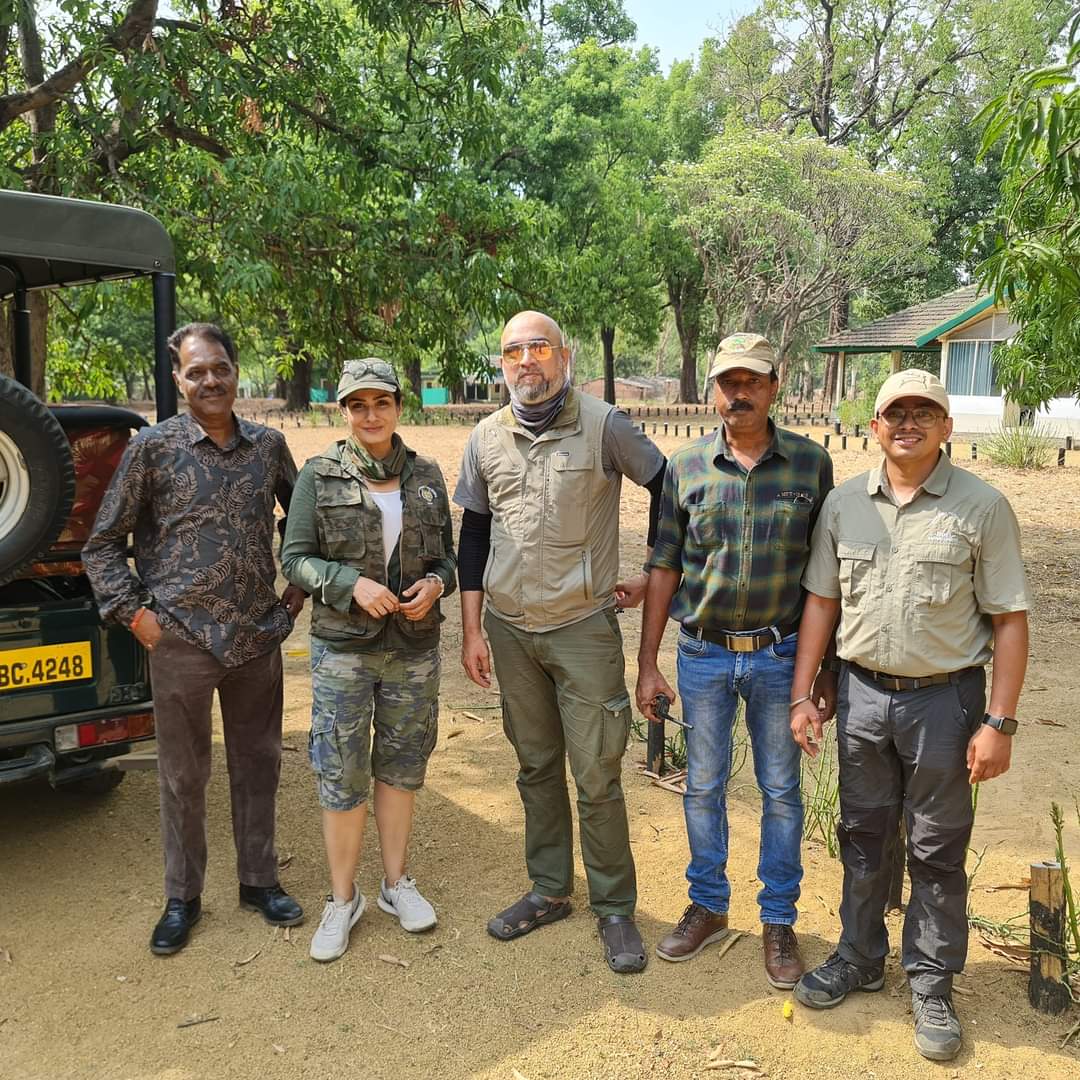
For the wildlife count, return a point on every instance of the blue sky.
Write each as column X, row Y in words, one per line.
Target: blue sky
column 677, row 27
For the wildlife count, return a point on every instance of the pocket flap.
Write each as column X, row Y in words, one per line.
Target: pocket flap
column 571, row 460
column 855, row 549
column 953, row 554
column 618, row 703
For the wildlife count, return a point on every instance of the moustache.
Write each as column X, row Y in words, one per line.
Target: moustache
column 740, row 406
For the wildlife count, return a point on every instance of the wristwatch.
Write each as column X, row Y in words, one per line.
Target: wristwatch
column 832, row 665
column 1005, row 724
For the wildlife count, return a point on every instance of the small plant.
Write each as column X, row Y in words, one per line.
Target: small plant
column 1025, row 446
column 820, row 784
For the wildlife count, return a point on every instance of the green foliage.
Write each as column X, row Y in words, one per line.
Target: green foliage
column 783, row 225
column 1034, row 264
column 1023, row 446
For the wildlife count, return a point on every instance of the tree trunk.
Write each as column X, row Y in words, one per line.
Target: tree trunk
column 298, row 386
column 839, row 314
column 607, row 339
column 414, row 375
column 38, row 303
column 688, row 324
column 7, row 341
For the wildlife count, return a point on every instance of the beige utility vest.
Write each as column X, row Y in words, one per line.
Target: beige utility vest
column 554, row 556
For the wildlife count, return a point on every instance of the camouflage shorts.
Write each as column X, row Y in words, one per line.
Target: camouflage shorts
column 400, row 690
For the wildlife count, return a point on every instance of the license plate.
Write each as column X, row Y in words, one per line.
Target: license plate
column 44, row 665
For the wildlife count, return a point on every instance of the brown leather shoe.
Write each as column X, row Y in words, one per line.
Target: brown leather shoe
column 697, row 928
column 783, row 962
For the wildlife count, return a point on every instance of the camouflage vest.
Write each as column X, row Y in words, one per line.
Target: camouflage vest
column 350, row 532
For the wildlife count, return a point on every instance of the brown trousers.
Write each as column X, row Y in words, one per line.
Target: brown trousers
column 184, row 680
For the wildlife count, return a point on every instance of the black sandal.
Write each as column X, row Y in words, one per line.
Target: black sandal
column 524, row 916
column 624, row 950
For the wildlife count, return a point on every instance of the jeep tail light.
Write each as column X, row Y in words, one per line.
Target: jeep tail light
column 100, row 732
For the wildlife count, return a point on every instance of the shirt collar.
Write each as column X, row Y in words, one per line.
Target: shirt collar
column 241, row 430
column 937, row 483
column 722, row 450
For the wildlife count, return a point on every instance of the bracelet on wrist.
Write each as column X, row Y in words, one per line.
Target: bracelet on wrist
column 798, row 701
column 439, row 580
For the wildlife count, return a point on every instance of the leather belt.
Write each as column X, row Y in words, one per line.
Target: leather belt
column 901, row 682
column 737, row 642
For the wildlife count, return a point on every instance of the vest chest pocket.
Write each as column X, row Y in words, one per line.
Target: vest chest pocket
column 856, row 565
column 342, row 527
column 568, row 482
column 941, row 569
column 707, row 526
column 432, row 522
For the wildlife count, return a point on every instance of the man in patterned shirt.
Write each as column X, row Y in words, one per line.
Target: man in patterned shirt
column 734, row 536
column 197, row 492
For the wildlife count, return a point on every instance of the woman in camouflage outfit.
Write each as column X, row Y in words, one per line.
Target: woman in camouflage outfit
column 369, row 538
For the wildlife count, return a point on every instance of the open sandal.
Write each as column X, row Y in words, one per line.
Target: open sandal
column 624, row 950
column 524, row 916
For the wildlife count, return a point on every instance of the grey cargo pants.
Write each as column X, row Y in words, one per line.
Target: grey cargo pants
column 906, row 750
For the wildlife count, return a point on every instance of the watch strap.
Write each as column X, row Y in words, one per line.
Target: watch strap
column 1005, row 724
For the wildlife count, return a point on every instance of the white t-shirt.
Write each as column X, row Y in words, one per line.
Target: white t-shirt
column 389, row 504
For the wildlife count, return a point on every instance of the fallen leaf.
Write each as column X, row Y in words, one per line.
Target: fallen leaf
column 246, row 960
column 192, row 1021
column 1049, row 723
column 284, row 861
column 1015, row 954
column 788, row 1011
column 1024, row 886
column 453, row 734
column 279, row 1048
column 386, row 958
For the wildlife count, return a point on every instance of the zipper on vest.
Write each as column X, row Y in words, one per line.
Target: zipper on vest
column 585, row 575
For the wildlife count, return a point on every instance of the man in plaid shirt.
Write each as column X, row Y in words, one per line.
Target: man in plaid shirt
column 737, row 513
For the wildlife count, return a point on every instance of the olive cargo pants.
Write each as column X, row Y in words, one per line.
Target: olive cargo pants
column 564, row 695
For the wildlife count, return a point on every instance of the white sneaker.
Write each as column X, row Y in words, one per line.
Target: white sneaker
column 332, row 938
column 404, row 900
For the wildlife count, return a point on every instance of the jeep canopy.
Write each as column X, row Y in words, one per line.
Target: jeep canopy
column 47, row 241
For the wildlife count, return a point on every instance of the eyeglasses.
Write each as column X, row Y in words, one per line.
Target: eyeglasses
column 358, row 368
column 539, row 349
column 924, row 418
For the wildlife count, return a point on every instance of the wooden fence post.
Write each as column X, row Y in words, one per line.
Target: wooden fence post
column 1047, row 990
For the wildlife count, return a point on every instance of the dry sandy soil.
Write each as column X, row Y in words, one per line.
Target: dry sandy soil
column 81, row 996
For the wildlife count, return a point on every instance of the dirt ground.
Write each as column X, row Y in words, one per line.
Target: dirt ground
column 80, row 881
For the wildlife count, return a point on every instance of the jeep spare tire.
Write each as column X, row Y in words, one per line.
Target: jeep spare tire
column 37, row 478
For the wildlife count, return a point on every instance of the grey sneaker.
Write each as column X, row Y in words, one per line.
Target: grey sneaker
column 829, row 983
column 332, row 938
column 403, row 899
column 937, row 1029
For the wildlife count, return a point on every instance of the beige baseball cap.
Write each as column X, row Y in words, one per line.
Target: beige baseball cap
column 750, row 351
column 911, row 383
column 371, row 373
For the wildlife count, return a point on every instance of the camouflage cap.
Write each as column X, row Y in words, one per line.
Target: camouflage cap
column 749, row 351
column 911, row 383
column 370, row 373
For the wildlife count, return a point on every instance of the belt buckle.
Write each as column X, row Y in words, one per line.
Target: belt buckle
column 743, row 644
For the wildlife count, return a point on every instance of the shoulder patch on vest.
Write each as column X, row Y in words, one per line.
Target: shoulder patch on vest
column 426, row 493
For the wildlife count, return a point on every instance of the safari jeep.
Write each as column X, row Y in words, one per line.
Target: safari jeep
column 74, row 693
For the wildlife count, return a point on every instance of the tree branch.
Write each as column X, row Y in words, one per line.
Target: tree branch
column 136, row 24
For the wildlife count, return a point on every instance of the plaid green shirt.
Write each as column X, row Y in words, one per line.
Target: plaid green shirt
column 740, row 539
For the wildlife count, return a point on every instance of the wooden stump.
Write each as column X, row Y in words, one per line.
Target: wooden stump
column 1047, row 990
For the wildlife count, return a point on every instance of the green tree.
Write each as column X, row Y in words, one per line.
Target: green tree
column 780, row 224
column 1034, row 266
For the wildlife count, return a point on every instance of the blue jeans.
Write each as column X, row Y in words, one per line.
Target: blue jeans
column 711, row 680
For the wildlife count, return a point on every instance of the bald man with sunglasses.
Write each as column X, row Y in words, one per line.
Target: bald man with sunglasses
column 540, row 488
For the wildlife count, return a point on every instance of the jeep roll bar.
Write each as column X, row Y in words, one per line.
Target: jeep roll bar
column 47, row 241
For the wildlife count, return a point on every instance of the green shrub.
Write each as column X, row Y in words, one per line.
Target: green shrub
column 1026, row 446
column 860, row 411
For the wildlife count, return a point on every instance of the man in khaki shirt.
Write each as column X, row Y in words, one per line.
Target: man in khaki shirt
column 921, row 562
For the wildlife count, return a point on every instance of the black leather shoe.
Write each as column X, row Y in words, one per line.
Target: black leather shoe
column 275, row 905
column 171, row 933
